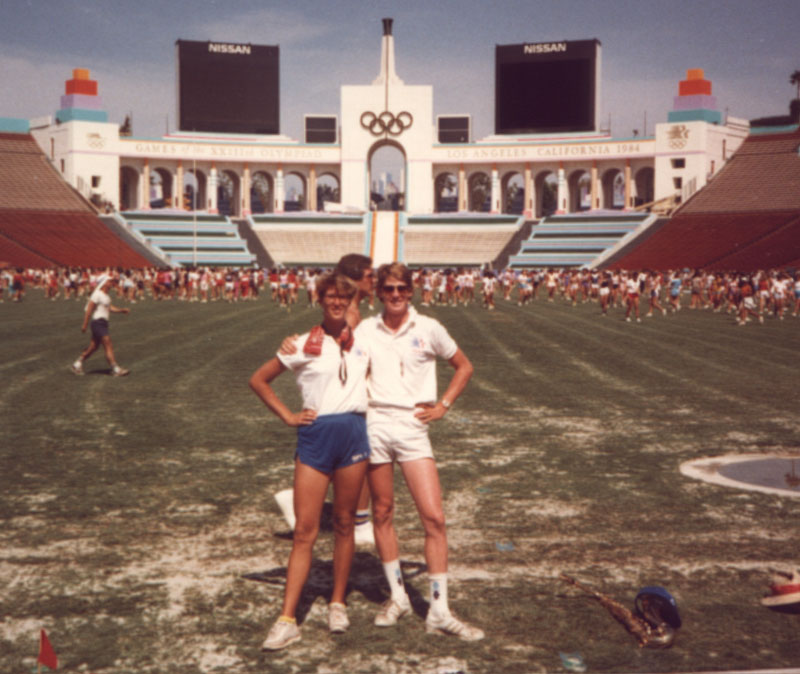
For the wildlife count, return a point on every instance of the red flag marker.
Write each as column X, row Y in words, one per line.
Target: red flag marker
column 47, row 656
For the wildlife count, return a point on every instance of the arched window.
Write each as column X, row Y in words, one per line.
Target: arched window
column 327, row 190
column 228, row 193
column 261, row 192
column 580, row 190
column 160, row 188
column 613, row 189
column 387, row 177
column 294, row 192
column 645, row 182
column 546, row 187
column 128, row 188
column 446, row 193
column 513, row 193
column 480, row 192
column 194, row 190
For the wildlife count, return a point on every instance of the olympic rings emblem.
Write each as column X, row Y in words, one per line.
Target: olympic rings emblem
column 386, row 122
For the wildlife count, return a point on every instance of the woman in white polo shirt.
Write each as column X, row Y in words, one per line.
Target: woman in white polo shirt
column 403, row 347
column 332, row 446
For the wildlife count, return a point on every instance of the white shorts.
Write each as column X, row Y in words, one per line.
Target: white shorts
column 395, row 434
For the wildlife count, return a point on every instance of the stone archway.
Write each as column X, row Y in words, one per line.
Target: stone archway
column 194, row 190
column 161, row 188
column 512, row 190
column 295, row 192
column 645, row 186
column 546, row 188
column 328, row 189
column 387, row 176
column 613, row 182
column 446, row 192
column 479, row 192
column 128, row 188
column 580, row 191
column 228, row 188
column 262, row 190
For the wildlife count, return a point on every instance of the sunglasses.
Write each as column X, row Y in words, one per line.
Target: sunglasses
column 389, row 290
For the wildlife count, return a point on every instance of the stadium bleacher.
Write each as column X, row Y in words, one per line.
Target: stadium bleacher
column 460, row 239
column 186, row 238
column 66, row 239
column 305, row 238
column 746, row 218
column 579, row 240
column 778, row 248
column 17, row 255
column 44, row 222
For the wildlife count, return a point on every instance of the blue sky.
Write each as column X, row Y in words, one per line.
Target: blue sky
column 748, row 49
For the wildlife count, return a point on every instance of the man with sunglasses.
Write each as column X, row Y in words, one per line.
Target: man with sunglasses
column 403, row 347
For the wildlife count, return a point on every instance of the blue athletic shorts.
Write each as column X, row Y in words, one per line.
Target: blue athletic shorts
column 333, row 441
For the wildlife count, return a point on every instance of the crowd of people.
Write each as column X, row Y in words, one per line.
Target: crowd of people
column 751, row 296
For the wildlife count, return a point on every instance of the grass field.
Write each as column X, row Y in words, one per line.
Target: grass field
column 138, row 525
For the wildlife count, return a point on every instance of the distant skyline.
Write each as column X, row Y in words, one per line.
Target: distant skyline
column 747, row 49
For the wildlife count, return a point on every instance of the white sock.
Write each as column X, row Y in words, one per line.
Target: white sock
column 395, row 578
column 362, row 517
column 438, row 596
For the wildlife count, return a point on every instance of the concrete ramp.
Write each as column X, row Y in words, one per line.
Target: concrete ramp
column 384, row 236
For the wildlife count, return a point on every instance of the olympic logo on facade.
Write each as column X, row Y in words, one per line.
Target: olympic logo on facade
column 386, row 122
column 678, row 136
column 95, row 141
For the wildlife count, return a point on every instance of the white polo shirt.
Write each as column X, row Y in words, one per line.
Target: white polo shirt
column 403, row 363
column 319, row 380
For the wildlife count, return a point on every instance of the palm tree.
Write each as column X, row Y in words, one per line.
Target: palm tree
column 795, row 79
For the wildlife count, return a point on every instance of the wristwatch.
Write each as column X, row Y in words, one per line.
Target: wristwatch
column 446, row 403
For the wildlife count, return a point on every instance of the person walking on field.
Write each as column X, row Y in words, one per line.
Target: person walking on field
column 98, row 311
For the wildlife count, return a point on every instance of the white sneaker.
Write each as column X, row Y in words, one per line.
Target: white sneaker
column 77, row 367
column 365, row 534
column 391, row 612
column 338, row 621
column 281, row 634
column 451, row 625
column 119, row 371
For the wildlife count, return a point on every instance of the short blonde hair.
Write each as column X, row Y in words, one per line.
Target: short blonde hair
column 343, row 285
column 396, row 269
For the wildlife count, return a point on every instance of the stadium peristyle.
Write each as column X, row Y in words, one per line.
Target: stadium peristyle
column 548, row 189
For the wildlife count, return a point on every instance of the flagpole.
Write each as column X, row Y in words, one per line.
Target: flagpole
column 194, row 214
